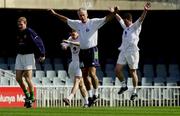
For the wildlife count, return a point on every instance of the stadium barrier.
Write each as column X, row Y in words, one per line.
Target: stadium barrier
column 52, row 96
column 108, row 97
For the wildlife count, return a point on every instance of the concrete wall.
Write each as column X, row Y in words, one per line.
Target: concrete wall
column 90, row 4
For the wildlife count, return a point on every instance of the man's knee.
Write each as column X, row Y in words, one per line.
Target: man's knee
column 132, row 71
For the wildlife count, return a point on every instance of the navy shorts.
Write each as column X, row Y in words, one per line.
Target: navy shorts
column 89, row 57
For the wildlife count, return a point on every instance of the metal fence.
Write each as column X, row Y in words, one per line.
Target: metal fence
column 108, row 97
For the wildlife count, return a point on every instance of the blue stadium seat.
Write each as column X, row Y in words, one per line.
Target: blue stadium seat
column 50, row 73
column 57, row 81
column 62, row 74
column 107, row 81
column 48, row 67
column 47, row 81
column 146, row 81
column 11, row 60
column 4, row 81
column 148, row 70
column 58, row 67
column 174, row 70
column 2, row 60
column 4, row 66
column 57, row 61
column 117, row 82
column 39, row 73
column 37, row 81
column 161, row 70
column 159, row 81
column 38, row 66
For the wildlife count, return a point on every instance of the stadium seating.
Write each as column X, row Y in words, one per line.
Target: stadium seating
column 58, row 67
column 47, row 81
column 174, row 71
column 148, row 70
column 37, row 81
column 53, row 68
column 117, row 82
column 4, row 66
column 107, row 81
column 4, row 81
column 62, row 74
column 48, row 67
column 146, row 81
column 39, row 73
column 2, row 60
column 161, row 70
column 57, row 82
column 50, row 73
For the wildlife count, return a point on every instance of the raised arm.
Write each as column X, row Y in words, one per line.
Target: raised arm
column 61, row 17
column 146, row 8
column 119, row 18
column 113, row 12
column 71, row 42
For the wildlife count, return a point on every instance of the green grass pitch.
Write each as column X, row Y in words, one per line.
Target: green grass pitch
column 94, row 111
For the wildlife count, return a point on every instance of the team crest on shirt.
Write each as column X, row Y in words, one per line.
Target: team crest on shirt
column 87, row 30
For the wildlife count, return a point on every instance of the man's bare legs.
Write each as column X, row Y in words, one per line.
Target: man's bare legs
column 91, row 81
column 27, row 74
column 19, row 79
column 120, row 75
column 134, row 76
column 28, row 77
column 78, row 84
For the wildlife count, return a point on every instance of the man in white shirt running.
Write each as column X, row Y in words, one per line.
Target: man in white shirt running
column 74, row 70
column 129, row 51
column 87, row 30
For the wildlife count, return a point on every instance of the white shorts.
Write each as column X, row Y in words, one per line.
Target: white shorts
column 74, row 70
column 25, row 62
column 130, row 58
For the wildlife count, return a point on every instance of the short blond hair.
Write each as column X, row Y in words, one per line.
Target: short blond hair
column 82, row 9
column 22, row 19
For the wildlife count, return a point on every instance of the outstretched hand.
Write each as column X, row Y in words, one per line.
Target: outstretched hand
column 114, row 9
column 41, row 59
column 147, row 6
column 51, row 11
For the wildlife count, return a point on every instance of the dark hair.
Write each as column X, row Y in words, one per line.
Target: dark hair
column 73, row 30
column 127, row 16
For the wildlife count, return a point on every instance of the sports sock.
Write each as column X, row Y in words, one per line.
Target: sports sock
column 123, row 83
column 134, row 90
column 90, row 93
column 86, row 100
column 26, row 93
column 32, row 95
column 70, row 96
column 96, row 92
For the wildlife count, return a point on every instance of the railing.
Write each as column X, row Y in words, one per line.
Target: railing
column 108, row 97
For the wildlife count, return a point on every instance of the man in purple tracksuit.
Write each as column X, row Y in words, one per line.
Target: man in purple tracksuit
column 27, row 43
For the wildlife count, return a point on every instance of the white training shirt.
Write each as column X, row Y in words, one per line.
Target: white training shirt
column 87, row 31
column 74, row 49
column 130, row 37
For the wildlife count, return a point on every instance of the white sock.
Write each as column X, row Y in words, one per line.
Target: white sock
column 134, row 90
column 86, row 100
column 123, row 83
column 70, row 96
column 96, row 92
column 90, row 93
